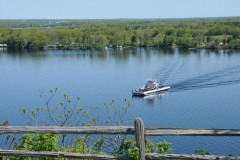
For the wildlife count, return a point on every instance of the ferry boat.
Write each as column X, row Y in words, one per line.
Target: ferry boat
column 151, row 86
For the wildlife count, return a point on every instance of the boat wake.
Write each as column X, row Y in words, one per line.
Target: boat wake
column 220, row 78
column 171, row 71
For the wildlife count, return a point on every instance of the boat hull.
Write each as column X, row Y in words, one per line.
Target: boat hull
column 147, row 92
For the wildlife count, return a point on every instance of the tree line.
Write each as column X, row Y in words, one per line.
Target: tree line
column 97, row 34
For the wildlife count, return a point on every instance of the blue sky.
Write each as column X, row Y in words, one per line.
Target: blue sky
column 111, row 9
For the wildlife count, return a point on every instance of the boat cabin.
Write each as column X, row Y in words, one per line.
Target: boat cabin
column 150, row 84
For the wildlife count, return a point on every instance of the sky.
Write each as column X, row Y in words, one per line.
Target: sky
column 112, row 9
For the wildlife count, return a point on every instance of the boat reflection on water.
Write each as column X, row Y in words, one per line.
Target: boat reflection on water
column 152, row 99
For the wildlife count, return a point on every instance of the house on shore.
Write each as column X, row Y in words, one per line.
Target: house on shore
column 54, row 45
column 3, row 45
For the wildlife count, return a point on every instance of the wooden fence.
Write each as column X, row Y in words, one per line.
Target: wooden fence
column 138, row 129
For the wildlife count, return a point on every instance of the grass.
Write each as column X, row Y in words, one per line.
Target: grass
column 221, row 36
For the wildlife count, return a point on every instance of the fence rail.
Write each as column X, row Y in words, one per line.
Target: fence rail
column 122, row 130
column 139, row 130
column 70, row 130
column 53, row 154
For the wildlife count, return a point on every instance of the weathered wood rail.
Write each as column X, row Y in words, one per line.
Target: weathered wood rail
column 139, row 130
column 122, row 130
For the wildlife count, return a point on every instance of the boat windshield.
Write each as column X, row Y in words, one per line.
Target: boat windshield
column 151, row 84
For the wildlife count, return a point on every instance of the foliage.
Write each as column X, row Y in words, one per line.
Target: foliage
column 163, row 147
column 70, row 113
column 9, row 139
column 63, row 113
column 129, row 149
column 96, row 34
column 169, row 40
column 234, row 43
column 38, row 142
column 185, row 42
column 122, row 38
column 201, row 151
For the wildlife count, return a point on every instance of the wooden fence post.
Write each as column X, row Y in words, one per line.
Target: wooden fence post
column 140, row 137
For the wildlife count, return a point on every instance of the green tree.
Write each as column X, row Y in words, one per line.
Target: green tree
column 12, row 38
column 146, row 36
column 169, row 40
column 235, row 34
column 39, row 39
column 200, row 39
column 101, row 41
column 140, row 37
column 185, row 42
column 229, row 39
column 158, row 40
column 170, row 32
column 134, row 41
column 77, row 36
column 209, row 38
column 122, row 38
column 24, row 38
column 234, row 43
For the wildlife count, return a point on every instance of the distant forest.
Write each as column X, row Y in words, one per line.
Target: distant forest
column 222, row 32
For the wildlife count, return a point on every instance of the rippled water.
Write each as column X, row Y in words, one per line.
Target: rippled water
column 205, row 88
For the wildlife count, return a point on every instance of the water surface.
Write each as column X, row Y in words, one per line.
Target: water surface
column 205, row 88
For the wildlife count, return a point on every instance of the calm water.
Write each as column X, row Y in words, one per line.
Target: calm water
column 205, row 88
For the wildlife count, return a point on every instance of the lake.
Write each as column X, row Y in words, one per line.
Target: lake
column 205, row 88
